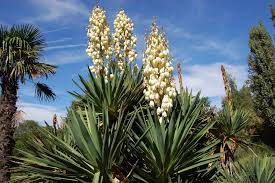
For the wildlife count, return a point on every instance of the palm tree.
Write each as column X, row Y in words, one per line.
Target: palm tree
column 20, row 51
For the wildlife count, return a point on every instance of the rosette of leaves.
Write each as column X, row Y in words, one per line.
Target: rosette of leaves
column 89, row 151
column 174, row 149
column 229, row 129
column 256, row 170
column 123, row 91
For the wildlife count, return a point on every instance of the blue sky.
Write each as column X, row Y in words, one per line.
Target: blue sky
column 202, row 34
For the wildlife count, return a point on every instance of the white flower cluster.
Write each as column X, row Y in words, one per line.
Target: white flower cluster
column 160, row 88
column 99, row 40
column 124, row 40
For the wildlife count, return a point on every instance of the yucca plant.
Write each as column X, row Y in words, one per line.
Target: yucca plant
column 92, row 152
column 256, row 170
column 111, row 81
column 229, row 127
column 174, row 147
column 123, row 91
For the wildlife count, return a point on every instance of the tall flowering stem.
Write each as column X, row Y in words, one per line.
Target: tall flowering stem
column 227, row 89
column 124, row 40
column 99, row 40
column 160, row 87
column 180, row 78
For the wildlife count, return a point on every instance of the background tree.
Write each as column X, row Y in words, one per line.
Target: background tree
column 20, row 51
column 262, row 73
column 23, row 133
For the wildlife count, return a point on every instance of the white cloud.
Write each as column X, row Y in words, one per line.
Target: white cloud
column 66, row 57
column 199, row 42
column 58, row 10
column 193, row 41
column 176, row 31
column 207, row 78
column 65, row 46
column 226, row 48
column 59, row 40
column 40, row 113
column 55, row 30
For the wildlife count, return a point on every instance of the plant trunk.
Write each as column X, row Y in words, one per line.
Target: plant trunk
column 7, row 125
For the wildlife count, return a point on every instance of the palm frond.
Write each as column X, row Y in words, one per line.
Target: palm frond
column 21, row 49
column 42, row 69
column 44, row 92
column 31, row 34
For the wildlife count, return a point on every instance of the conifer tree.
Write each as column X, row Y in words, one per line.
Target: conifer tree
column 262, row 72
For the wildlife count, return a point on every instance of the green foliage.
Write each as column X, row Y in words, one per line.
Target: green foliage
column 243, row 100
column 257, row 170
column 93, row 151
column 110, row 134
column 122, row 92
column 231, row 125
column 95, row 148
column 20, row 51
column 229, row 130
column 23, row 133
column 262, row 72
column 173, row 147
column 258, row 149
column 44, row 92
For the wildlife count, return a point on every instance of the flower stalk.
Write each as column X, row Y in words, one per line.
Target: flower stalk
column 180, row 78
column 227, row 89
